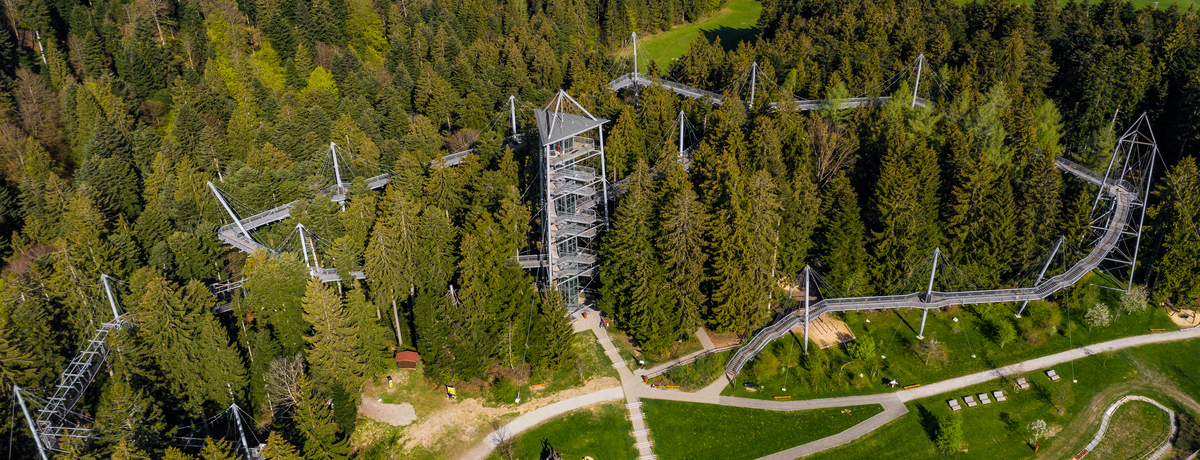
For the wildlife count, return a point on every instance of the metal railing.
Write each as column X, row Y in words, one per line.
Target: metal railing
column 1107, row 241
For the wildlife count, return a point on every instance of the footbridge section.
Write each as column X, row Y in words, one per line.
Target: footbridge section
column 1122, row 194
column 802, row 105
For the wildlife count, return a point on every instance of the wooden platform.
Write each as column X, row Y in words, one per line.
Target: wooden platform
column 826, row 332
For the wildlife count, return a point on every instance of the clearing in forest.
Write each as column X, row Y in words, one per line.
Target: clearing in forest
column 733, row 24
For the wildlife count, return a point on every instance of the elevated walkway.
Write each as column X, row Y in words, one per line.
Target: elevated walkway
column 1121, row 191
column 641, row 79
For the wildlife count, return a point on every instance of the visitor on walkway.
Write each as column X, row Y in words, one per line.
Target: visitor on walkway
column 451, row 393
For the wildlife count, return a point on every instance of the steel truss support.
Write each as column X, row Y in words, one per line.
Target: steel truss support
column 37, row 438
column 1131, row 164
column 920, row 65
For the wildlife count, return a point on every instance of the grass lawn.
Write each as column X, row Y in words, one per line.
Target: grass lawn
column 733, row 24
column 1136, row 429
column 968, row 347
column 601, row 431
column 999, row 430
column 684, row 430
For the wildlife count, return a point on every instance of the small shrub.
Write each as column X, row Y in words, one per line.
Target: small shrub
column 862, row 348
column 1002, row 330
column 950, row 433
column 1097, row 316
column 1134, row 300
column 1045, row 315
column 766, row 365
column 504, row 391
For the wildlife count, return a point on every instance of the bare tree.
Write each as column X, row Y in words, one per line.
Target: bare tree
column 502, row 439
column 1060, row 397
column 833, row 150
column 284, row 382
column 930, row 350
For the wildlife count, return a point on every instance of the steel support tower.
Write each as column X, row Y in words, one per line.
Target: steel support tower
column 575, row 195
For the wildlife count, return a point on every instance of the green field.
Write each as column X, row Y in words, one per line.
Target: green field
column 601, row 432
column 968, row 346
column 1163, row 372
column 684, row 430
column 733, row 24
column 1135, row 430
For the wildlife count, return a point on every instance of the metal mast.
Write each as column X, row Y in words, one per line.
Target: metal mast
column 929, row 292
column 920, row 62
column 1042, row 274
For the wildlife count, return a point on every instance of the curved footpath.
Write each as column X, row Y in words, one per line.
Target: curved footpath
column 1112, row 409
column 632, row 389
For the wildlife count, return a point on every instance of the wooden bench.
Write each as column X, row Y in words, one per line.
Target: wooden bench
column 783, row 397
column 673, row 386
column 999, row 395
column 970, row 400
column 953, row 404
column 1157, row 330
column 1022, row 383
column 1053, row 375
column 536, row 387
column 912, row 386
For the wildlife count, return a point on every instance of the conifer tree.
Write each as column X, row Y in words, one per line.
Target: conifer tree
column 274, row 289
column 279, row 449
column 1181, row 242
column 680, row 245
column 550, row 344
column 333, row 355
column 840, row 238
column 217, row 450
column 314, row 420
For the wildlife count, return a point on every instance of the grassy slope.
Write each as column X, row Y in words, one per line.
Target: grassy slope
column 894, row 331
column 698, row 431
column 601, row 432
column 1135, row 429
column 1102, row 380
column 734, row 23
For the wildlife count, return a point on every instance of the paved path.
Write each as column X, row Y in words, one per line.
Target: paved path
column 705, row 342
column 539, row 415
column 893, row 403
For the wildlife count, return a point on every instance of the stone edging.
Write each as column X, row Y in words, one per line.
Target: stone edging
column 1113, row 409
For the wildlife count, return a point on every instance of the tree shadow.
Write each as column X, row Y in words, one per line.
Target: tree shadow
column 928, row 421
column 730, row 37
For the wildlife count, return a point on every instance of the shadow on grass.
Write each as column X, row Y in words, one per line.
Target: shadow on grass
column 928, row 421
column 730, row 37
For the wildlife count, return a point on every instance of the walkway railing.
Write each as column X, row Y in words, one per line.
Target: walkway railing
column 1120, row 190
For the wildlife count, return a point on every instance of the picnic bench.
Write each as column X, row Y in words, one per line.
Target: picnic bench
column 999, row 395
column 1022, row 383
column 1053, row 376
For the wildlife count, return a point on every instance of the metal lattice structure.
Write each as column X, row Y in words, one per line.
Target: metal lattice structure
column 1123, row 191
column 575, row 196
column 55, row 421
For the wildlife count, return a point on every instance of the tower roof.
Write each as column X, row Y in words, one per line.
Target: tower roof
column 555, row 124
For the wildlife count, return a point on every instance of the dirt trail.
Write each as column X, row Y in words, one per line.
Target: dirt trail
column 466, row 422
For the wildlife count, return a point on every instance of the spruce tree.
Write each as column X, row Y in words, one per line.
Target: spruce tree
column 333, row 355
column 680, row 245
column 632, row 278
column 842, row 254
column 314, row 421
column 552, row 337
column 1181, row 241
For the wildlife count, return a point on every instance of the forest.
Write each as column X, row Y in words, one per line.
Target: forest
column 116, row 113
